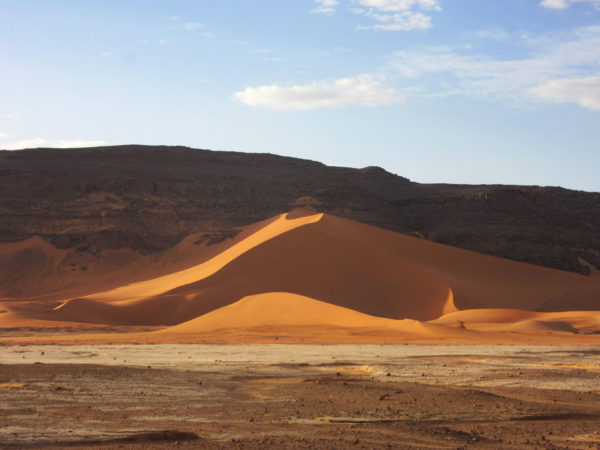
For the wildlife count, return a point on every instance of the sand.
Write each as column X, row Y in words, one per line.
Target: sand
column 525, row 321
column 307, row 277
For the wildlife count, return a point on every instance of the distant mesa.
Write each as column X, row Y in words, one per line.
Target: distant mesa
column 149, row 198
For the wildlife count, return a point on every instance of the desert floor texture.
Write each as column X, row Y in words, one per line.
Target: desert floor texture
column 299, row 396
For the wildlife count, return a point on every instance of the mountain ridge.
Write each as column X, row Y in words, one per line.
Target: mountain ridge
column 148, row 198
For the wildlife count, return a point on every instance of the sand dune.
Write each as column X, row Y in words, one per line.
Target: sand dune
column 280, row 308
column 35, row 270
column 283, row 312
column 362, row 276
column 19, row 260
column 482, row 281
column 524, row 321
column 171, row 281
column 288, row 255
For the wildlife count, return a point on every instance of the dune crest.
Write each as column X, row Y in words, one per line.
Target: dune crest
column 306, row 270
column 285, row 310
column 171, row 281
column 280, row 308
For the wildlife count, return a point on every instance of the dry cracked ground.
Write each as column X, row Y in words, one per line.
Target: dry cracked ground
column 299, row 396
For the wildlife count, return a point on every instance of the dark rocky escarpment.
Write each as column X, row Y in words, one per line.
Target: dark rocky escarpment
column 148, row 198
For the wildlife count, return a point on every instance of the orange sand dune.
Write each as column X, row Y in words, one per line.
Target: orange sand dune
column 524, row 321
column 482, row 281
column 347, row 265
column 34, row 270
column 280, row 308
column 288, row 255
column 19, row 260
column 174, row 280
column 283, row 309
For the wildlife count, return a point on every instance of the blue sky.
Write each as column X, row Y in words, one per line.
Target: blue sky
column 460, row 91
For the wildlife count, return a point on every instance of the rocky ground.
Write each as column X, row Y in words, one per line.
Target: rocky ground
column 266, row 396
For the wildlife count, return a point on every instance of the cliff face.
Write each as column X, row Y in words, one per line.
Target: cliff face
column 148, row 198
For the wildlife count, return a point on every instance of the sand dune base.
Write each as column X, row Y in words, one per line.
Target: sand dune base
column 281, row 317
column 301, row 277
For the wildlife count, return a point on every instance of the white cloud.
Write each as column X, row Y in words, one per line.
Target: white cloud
column 584, row 91
column 272, row 59
column 404, row 21
column 42, row 142
column 563, row 4
column 388, row 15
column 192, row 26
column 25, row 143
column 363, row 90
column 78, row 143
column 3, row 135
column 197, row 28
column 493, row 34
column 324, row 6
column 261, row 51
column 12, row 115
column 401, row 5
column 397, row 15
column 449, row 71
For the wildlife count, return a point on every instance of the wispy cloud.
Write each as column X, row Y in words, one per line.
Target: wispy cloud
column 324, row 6
column 193, row 26
column 260, row 51
column 397, row 15
column 363, row 90
column 451, row 71
column 386, row 15
column 272, row 59
column 584, row 91
column 42, row 142
column 14, row 115
column 564, row 4
column 493, row 34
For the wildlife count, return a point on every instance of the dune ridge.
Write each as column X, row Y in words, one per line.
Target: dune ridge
column 279, row 308
column 284, row 310
column 171, row 281
column 523, row 321
column 286, row 255
column 298, row 269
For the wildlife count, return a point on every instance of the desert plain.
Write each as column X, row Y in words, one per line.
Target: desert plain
column 305, row 330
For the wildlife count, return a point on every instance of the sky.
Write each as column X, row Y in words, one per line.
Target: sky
column 438, row 91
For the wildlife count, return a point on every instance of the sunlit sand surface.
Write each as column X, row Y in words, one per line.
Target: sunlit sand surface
column 301, row 277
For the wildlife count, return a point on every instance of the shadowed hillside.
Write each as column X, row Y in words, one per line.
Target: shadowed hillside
column 149, row 198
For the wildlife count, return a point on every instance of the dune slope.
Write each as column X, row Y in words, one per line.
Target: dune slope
column 274, row 310
column 523, row 321
column 280, row 308
column 342, row 263
column 288, row 255
column 35, row 270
